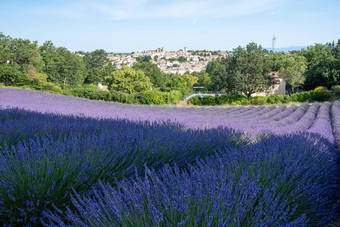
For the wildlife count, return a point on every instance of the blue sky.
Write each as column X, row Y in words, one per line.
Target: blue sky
column 138, row 25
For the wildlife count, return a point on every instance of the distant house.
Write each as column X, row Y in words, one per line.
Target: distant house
column 278, row 87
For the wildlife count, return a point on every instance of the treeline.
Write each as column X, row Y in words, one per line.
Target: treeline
column 26, row 64
column 319, row 94
column 248, row 69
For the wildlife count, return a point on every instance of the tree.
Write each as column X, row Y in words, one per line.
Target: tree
column 151, row 70
column 20, row 60
column 183, row 83
column 62, row 66
column 293, row 71
column 182, row 59
column 292, row 68
column 144, row 58
column 95, row 59
column 244, row 71
column 249, row 70
column 322, row 67
column 128, row 80
column 218, row 74
column 192, row 79
column 204, row 80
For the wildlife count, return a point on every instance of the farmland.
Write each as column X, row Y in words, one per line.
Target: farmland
column 72, row 161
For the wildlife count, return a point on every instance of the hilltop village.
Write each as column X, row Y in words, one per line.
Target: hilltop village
column 176, row 62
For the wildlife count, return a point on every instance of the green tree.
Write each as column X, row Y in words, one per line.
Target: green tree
column 293, row 71
column 292, row 68
column 204, row 80
column 243, row 71
column 322, row 67
column 128, row 80
column 20, row 60
column 95, row 59
column 249, row 70
column 95, row 63
column 182, row 59
column 144, row 58
column 151, row 70
column 182, row 84
column 62, row 66
column 216, row 70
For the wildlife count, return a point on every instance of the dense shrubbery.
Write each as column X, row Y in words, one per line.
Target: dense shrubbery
column 158, row 97
column 307, row 96
column 336, row 91
column 88, row 172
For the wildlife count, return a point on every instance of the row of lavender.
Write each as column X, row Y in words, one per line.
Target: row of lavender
column 67, row 170
column 252, row 120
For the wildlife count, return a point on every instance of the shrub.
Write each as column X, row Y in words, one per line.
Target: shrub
column 175, row 96
column 303, row 96
column 275, row 99
column 222, row 99
column 336, row 90
column 117, row 96
column 321, row 93
column 286, row 99
column 153, row 97
column 48, row 86
column 320, row 88
column 208, row 100
column 196, row 100
column 258, row 100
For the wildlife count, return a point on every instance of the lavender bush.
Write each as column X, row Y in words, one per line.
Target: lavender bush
column 283, row 181
column 81, row 162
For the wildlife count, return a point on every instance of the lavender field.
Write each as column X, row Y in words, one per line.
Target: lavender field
column 67, row 161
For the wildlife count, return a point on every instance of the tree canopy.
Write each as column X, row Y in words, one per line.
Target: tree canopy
column 244, row 71
column 151, row 70
column 323, row 68
column 128, row 80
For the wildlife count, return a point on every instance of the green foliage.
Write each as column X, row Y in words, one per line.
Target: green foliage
column 144, row 58
column 245, row 71
column 117, row 96
column 62, row 66
column 95, row 59
column 323, row 65
column 48, row 86
column 322, row 94
column 303, row 96
column 320, row 88
column 309, row 96
column 175, row 96
column 196, row 100
column 90, row 93
column 153, row 97
column 182, row 84
column 182, row 59
column 336, row 90
column 275, row 99
column 156, row 76
column 204, row 80
column 291, row 67
column 128, row 80
column 258, row 100
column 208, row 100
column 217, row 72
